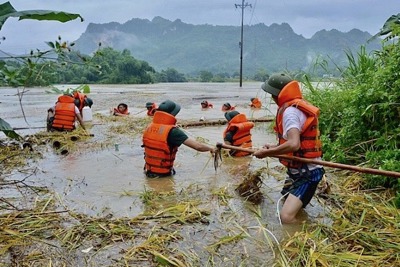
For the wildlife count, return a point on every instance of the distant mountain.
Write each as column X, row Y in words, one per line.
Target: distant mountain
column 191, row 48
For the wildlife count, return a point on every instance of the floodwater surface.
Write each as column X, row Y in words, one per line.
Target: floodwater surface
column 109, row 181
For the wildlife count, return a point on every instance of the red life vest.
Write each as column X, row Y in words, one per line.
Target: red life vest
column 64, row 114
column 150, row 112
column 310, row 143
column 242, row 136
column 116, row 110
column 81, row 98
column 255, row 103
column 227, row 108
column 158, row 155
column 205, row 104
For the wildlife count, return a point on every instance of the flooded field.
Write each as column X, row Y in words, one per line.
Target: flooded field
column 100, row 182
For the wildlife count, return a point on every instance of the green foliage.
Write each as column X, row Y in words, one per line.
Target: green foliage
column 206, row 76
column 108, row 66
column 261, row 75
column 170, row 75
column 43, row 68
column 105, row 66
column 28, row 70
column 83, row 88
column 7, row 10
column 6, row 128
column 360, row 114
column 22, row 70
column 218, row 78
column 390, row 28
column 192, row 48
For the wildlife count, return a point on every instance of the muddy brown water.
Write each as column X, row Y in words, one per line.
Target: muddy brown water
column 106, row 181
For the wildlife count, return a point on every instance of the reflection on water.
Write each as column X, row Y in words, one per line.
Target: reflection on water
column 160, row 185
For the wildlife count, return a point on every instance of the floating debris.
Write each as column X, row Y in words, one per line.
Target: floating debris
column 250, row 188
column 56, row 144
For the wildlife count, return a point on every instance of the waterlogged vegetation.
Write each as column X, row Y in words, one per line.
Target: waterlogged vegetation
column 360, row 125
column 360, row 115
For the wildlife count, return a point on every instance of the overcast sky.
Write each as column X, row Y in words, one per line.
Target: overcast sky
column 306, row 17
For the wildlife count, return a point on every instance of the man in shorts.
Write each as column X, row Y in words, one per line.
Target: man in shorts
column 296, row 125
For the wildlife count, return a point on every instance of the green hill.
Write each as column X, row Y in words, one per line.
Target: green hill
column 191, row 48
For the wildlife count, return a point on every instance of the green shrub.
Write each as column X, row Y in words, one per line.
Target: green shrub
column 360, row 115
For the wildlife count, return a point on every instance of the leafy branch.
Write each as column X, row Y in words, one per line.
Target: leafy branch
column 20, row 77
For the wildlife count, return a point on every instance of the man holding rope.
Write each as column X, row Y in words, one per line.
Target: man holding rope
column 161, row 140
column 296, row 125
column 238, row 132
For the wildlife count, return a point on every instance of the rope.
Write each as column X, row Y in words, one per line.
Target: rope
column 277, row 207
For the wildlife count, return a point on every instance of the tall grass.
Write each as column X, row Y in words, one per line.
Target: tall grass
column 360, row 116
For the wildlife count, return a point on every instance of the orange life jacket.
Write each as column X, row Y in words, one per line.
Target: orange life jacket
column 81, row 98
column 256, row 103
column 116, row 110
column 150, row 112
column 225, row 108
column 242, row 136
column 64, row 114
column 310, row 143
column 158, row 155
column 205, row 104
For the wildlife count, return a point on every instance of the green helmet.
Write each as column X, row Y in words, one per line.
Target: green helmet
column 170, row 107
column 275, row 83
column 230, row 115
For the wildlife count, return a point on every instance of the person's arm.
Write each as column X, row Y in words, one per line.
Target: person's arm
column 291, row 145
column 192, row 143
column 79, row 118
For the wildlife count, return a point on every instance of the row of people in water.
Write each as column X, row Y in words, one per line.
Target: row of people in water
column 255, row 103
column 68, row 109
column 122, row 108
column 296, row 128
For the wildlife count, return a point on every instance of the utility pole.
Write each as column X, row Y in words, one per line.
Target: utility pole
column 242, row 6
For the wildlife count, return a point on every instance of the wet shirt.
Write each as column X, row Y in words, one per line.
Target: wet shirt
column 176, row 137
column 295, row 118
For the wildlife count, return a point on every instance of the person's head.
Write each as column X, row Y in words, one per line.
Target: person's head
column 150, row 105
column 275, row 84
column 252, row 99
column 88, row 102
column 170, row 107
column 204, row 104
column 226, row 106
column 230, row 115
column 122, row 107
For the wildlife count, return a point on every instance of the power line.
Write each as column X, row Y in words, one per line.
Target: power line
column 242, row 6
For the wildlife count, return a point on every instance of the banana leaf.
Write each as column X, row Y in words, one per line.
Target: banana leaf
column 6, row 128
column 7, row 11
